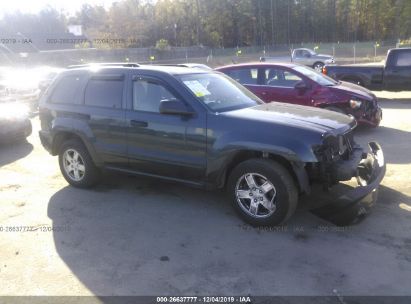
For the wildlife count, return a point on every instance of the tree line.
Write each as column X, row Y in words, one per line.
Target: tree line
column 224, row 23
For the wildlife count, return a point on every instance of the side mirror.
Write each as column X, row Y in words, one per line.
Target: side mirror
column 174, row 106
column 301, row 85
column 307, row 55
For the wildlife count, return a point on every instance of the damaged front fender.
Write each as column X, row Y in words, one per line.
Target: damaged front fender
column 344, row 204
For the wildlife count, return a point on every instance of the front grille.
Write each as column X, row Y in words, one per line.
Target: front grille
column 349, row 140
column 369, row 109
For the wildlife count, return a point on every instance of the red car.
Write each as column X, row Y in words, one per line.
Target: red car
column 297, row 84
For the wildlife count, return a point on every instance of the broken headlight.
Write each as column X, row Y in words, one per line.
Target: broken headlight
column 334, row 146
column 355, row 104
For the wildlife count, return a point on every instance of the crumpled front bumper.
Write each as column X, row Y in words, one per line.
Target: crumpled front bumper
column 371, row 118
column 347, row 205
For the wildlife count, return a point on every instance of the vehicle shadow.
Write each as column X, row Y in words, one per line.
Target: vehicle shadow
column 13, row 151
column 386, row 195
column 134, row 236
column 394, row 142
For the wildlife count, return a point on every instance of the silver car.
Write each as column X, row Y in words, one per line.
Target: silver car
column 305, row 57
column 310, row 58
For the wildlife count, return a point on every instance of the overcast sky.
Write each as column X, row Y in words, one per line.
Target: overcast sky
column 34, row 6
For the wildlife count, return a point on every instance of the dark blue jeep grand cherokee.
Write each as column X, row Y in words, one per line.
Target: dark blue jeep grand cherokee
column 201, row 128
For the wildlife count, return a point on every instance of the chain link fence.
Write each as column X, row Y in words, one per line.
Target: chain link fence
column 344, row 53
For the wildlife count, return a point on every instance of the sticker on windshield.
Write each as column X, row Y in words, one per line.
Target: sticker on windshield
column 197, row 88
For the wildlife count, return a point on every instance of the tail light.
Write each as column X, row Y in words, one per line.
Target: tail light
column 324, row 70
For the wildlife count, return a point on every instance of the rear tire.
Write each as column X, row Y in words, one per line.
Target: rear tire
column 76, row 165
column 263, row 192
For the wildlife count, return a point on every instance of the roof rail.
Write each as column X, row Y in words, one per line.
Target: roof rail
column 105, row 64
column 172, row 64
column 184, row 65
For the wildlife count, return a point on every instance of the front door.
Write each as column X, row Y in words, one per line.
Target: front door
column 280, row 86
column 167, row 145
column 302, row 57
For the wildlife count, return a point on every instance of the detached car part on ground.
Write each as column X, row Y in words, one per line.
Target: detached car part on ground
column 298, row 84
column 204, row 129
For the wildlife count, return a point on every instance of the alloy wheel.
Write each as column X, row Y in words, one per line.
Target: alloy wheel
column 256, row 195
column 318, row 67
column 74, row 165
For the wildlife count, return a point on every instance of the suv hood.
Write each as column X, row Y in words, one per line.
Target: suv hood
column 295, row 115
column 353, row 89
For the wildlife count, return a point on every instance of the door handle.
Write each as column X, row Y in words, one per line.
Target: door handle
column 138, row 123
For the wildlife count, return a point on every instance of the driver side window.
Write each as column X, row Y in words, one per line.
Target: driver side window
column 280, row 78
column 299, row 53
column 305, row 54
column 147, row 95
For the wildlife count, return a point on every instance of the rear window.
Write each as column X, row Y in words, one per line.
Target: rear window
column 403, row 59
column 66, row 89
column 104, row 93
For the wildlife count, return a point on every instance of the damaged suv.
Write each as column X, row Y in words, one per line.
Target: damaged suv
column 203, row 129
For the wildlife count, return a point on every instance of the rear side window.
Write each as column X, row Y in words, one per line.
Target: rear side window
column 66, row 89
column 244, row 76
column 403, row 59
column 106, row 93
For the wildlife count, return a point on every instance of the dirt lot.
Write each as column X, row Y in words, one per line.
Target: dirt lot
column 133, row 236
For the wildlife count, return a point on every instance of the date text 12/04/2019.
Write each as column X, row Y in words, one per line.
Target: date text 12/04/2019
column 204, row 299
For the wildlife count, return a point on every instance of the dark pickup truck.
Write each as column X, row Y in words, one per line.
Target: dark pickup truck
column 395, row 75
column 203, row 129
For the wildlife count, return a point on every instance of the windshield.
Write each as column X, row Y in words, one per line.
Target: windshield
column 315, row 76
column 219, row 92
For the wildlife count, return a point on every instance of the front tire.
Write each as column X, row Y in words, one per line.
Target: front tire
column 318, row 66
column 76, row 165
column 263, row 192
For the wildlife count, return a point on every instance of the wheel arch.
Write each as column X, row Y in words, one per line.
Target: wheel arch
column 63, row 136
column 317, row 62
column 296, row 170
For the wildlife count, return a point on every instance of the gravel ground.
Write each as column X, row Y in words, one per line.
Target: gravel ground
column 134, row 236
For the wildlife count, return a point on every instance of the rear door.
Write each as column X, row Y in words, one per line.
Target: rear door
column 92, row 105
column 250, row 77
column 172, row 146
column 397, row 74
column 103, row 113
